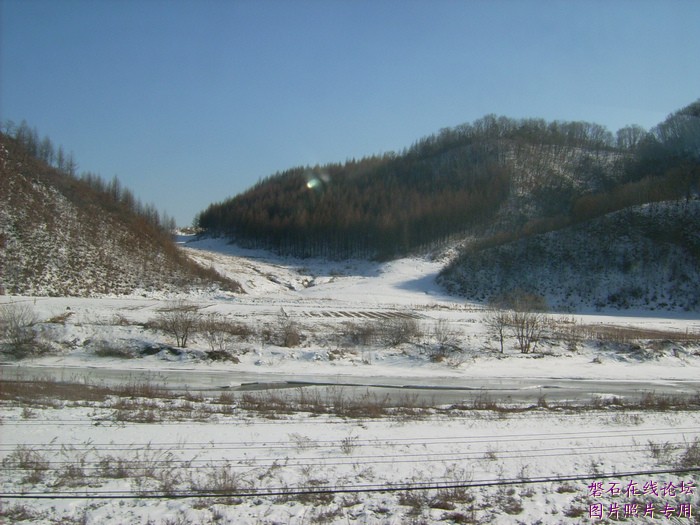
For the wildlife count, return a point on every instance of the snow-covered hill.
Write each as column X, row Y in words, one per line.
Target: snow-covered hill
column 60, row 237
column 644, row 257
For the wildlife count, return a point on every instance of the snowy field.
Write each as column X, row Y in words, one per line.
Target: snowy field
column 105, row 437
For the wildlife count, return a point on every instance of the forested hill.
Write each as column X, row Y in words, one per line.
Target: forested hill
column 78, row 236
column 497, row 179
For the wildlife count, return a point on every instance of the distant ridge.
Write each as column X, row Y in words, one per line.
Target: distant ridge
column 494, row 175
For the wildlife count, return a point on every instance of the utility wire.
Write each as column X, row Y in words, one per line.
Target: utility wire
column 355, row 489
column 409, row 441
column 136, row 464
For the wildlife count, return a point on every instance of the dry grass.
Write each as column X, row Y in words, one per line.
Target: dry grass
column 111, row 350
column 273, row 403
column 690, row 455
column 149, row 402
column 569, row 329
column 31, row 462
column 60, row 318
column 164, row 471
column 17, row 513
column 50, row 393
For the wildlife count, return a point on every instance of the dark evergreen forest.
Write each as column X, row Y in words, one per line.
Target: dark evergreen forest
column 470, row 178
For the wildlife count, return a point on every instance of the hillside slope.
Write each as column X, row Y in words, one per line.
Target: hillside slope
column 495, row 172
column 59, row 236
column 643, row 257
column 495, row 176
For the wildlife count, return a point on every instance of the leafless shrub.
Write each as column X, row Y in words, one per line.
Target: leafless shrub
column 527, row 327
column 72, row 474
column 443, row 334
column 145, row 389
column 17, row 513
column 270, row 403
column 483, row 401
column 367, row 405
column 348, row 444
column 109, row 349
column 17, row 322
column 180, row 320
column 566, row 488
column 661, row 452
column 520, row 313
column 575, row 511
column 290, row 335
column 461, row 517
column 411, row 408
column 654, row 401
column 285, row 332
column 222, row 355
column 180, row 519
column 311, row 401
column 29, row 460
column 112, row 467
column 490, row 455
column 326, row 516
column 388, row 331
column 160, row 467
column 446, row 339
column 138, row 411
column 399, row 330
column 301, row 441
column 455, row 475
column 60, row 318
column 120, row 320
column 220, row 333
column 566, row 329
column 364, row 333
column 690, row 456
column 497, row 322
column 416, row 500
column 219, row 480
column 315, row 496
column 442, row 503
column 511, row 505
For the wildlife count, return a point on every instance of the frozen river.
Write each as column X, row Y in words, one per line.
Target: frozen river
column 434, row 391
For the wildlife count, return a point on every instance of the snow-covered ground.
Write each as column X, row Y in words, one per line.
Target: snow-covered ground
column 357, row 459
column 321, row 298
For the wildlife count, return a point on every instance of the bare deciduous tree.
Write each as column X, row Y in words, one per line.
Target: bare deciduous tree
column 497, row 322
column 527, row 327
column 520, row 313
column 180, row 320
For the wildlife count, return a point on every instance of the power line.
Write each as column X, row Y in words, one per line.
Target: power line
column 332, row 490
column 409, row 441
column 351, row 459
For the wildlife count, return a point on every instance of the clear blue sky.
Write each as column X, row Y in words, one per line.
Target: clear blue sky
column 190, row 102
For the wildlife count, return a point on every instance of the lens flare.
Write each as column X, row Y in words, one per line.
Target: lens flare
column 313, row 184
column 317, row 181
